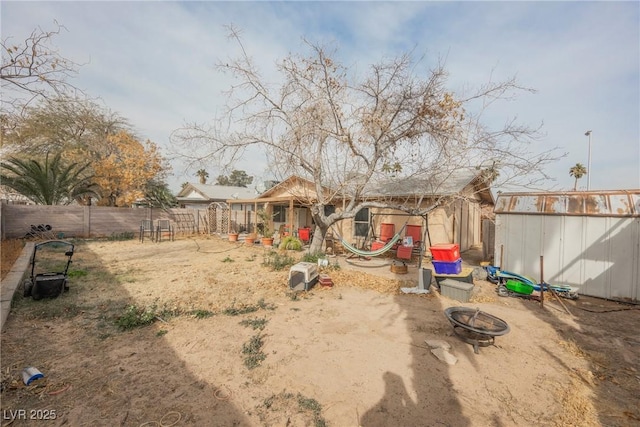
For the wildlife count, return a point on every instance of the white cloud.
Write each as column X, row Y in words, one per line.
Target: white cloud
column 153, row 62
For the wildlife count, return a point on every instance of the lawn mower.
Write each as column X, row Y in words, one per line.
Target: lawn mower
column 512, row 284
column 48, row 277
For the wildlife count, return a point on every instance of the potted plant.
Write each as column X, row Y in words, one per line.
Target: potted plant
column 250, row 239
column 267, row 232
column 233, row 235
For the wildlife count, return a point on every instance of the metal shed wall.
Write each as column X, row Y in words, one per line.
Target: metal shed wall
column 598, row 253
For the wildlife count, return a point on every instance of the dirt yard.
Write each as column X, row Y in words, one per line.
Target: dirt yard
column 199, row 332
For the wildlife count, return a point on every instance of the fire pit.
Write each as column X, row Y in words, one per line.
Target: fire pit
column 475, row 327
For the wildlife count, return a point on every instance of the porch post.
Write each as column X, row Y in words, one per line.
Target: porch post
column 291, row 216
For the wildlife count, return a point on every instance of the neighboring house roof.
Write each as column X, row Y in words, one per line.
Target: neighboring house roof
column 196, row 192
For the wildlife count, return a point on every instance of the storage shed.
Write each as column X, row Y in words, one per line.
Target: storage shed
column 589, row 240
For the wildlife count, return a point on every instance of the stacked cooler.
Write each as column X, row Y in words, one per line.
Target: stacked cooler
column 446, row 258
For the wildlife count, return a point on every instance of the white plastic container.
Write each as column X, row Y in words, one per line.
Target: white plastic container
column 30, row 374
column 303, row 275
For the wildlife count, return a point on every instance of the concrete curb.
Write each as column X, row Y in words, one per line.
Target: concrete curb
column 11, row 282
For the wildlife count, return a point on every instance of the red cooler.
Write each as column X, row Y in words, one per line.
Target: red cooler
column 448, row 252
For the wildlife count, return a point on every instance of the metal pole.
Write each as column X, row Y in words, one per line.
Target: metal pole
column 541, row 281
column 588, row 133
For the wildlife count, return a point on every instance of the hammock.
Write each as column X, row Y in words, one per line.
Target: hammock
column 377, row 252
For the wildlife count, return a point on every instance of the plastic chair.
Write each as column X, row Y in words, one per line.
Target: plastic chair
column 164, row 226
column 304, row 234
column 404, row 252
column 415, row 232
column 146, row 228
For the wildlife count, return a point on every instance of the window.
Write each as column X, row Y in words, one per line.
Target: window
column 279, row 214
column 329, row 209
column 361, row 223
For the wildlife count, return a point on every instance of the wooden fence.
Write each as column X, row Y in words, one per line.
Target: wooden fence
column 94, row 221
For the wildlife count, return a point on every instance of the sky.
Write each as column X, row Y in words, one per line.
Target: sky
column 154, row 63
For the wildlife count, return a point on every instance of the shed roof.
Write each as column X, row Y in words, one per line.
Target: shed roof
column 622, row 203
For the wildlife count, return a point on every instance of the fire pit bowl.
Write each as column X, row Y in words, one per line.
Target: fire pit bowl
column 476, row 327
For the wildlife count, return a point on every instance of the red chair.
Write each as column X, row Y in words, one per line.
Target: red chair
column 387, row 231
column 415, row 232
column 304, row 234
column 404, row 252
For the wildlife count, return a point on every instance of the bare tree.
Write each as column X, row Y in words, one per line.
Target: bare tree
column 33, row 68
column 363, row 139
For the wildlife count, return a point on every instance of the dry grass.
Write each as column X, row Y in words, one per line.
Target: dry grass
column 10, row 250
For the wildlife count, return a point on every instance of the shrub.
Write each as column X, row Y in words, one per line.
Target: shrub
column 253, row 352
column 255, row 323
column 313, row 257
column 134, row 317
column 125, row 235
column 291, row 243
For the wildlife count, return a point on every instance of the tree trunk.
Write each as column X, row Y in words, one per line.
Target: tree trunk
column 318, row 237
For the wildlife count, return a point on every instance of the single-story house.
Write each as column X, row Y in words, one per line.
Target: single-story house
column 200, row 196
column 457, row 219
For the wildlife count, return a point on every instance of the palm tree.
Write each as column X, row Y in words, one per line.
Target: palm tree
column 51, row 183
column 577, row 171
column 203, row 175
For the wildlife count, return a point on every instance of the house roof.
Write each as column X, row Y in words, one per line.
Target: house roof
column 450, row 185
column 207, row 192
column 291, row 181
column 453, row 183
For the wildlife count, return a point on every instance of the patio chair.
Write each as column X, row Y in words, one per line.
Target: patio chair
column 164, row 227
column 304, row 234
column 146, row 229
